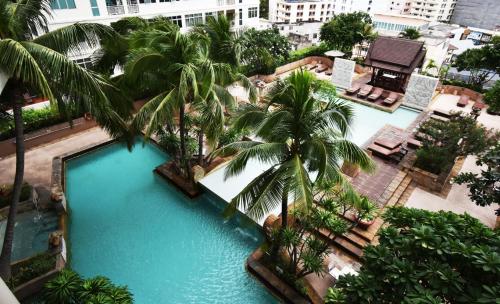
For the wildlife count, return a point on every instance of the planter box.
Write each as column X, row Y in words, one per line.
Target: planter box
column 431, row 181
column 166, row 171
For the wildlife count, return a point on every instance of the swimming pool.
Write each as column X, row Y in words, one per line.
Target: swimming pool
column 31, row 233
column 130, row 225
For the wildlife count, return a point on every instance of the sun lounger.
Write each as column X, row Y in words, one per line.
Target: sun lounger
column 388, row 143
column 463, row 101
column 329, row 72
column 413, row 143
column 478, row 106
column 391, row 99
column 354, row 89
column 395, row 154
column 312, row 65
column 377, row 92
column 365, row 91
column 441, row 113
column 321, row 68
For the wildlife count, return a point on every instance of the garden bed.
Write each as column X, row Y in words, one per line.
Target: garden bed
column 168, row 171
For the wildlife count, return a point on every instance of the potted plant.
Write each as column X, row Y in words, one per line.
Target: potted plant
column 365, row 212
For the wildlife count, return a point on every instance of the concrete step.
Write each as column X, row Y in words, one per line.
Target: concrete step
column 399, row 191
column 348, row 247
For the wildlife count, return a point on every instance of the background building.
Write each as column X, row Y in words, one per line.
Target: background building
column 477, row 13
column 185, row 13
column 433, row 10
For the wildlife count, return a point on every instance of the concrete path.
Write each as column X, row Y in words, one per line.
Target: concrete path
column 38, row 163
column 457, row 201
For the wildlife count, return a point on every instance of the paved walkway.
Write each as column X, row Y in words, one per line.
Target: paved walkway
column 38, row 165
column 457, row 200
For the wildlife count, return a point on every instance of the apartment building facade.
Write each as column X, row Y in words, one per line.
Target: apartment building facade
column 185, row 13
column 433, row 10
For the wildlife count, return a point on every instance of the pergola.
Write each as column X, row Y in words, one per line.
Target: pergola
column 393, row 60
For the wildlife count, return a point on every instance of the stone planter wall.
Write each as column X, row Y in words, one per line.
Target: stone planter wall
column 433, row 182
column 455, row 90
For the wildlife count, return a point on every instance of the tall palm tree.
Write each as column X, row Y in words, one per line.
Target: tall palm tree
column 301, row 136
column 35, row 61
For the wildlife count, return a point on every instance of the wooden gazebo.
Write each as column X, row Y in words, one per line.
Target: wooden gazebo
column 393, row 60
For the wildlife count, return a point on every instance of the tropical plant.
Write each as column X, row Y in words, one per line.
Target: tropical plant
column 482, row 63
column 263, row 51
column 426, row 257
column 39, row 65
column 431, row 65
column 344, row 31
column 492, row 98
column 484, row 187
column 300, row 134
column 184, row 76
column 410, row 33
column 69, row 288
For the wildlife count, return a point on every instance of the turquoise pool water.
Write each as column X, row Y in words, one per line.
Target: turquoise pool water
column 130, row 225
column 367, row 121
column 31, row 233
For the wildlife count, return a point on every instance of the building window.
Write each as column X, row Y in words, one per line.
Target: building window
column 94, row 8
column 194, row 19
column 62, row 4
column 84, row 62
column 176, row 20
column 210, row 14
column 252, row 12
column 241, row 16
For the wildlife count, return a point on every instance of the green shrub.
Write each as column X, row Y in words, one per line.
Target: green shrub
column 70, row 288
column 32, row 268
column 492, row 97
column 315, row 50
column 433, row 159
column 463, row 84
column 6, row 194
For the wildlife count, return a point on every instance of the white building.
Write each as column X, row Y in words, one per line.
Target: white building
column 294, row 11
column 433, row 10
column 185, row 13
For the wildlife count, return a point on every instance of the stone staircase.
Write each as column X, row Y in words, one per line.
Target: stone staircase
column 353, row 242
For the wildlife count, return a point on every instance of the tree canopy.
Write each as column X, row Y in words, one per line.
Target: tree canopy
column 345, row 31
column 492, row 97
column 410, row 33
column 426, row 257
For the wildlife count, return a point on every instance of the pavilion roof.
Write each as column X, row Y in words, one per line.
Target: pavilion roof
column 395, row 54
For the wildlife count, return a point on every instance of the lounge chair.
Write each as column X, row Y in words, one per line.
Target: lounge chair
column 321, row 68
column 478, row 106
column 391, row 99
column 441, row 113
column 388, row 143
column 463, row 101
column 395, row 154
column 354, row 89
column 312, row 65
column 413, row 143
column 365, row 91
column 329, row 72
column 376, row 94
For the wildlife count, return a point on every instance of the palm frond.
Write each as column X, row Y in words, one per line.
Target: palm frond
column 300, row 183
column 350, row 152
column 77, row 37
column 29, row 18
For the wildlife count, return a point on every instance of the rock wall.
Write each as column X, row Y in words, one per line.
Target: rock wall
column 343, row 72
column 420, row 91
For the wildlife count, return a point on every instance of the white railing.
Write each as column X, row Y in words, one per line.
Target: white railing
column 133, row 8
column 115, row 9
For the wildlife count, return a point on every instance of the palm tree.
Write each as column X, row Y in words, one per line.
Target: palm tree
column 39, row 65
column 410, row 33
column 301, row 136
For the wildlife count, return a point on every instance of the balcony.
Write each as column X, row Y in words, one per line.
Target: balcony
column 115, row 10
column 133, row 8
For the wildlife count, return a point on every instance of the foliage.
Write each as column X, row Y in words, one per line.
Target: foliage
column 410, row 33
column 301, row 135
column 263, row 51
column 344, row 31
column 426, row 257
column 32, row 268
column 445, row 140
column 34, row 119
column 460, row 83
column 482, row 63
column 492, row 98
column 484, row 187
column 315, row 50
column 306, row 251
column 70, row 288
column 230, row 135
column 6, row 194
column 170, row 142
column 264, row 9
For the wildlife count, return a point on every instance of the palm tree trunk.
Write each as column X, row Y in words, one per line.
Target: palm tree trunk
column 284, row 208
column 200, row 147
column 182, row 134
column 5, row 257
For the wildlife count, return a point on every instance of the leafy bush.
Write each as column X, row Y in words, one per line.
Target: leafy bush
column 34, row 119
column 492, row 97
column 463, row 84
column 6, row 194
column 32, row 268
column 170, row 142
column 426, row 257
column 433, row 159
column 70, row 288
column 315, row 50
